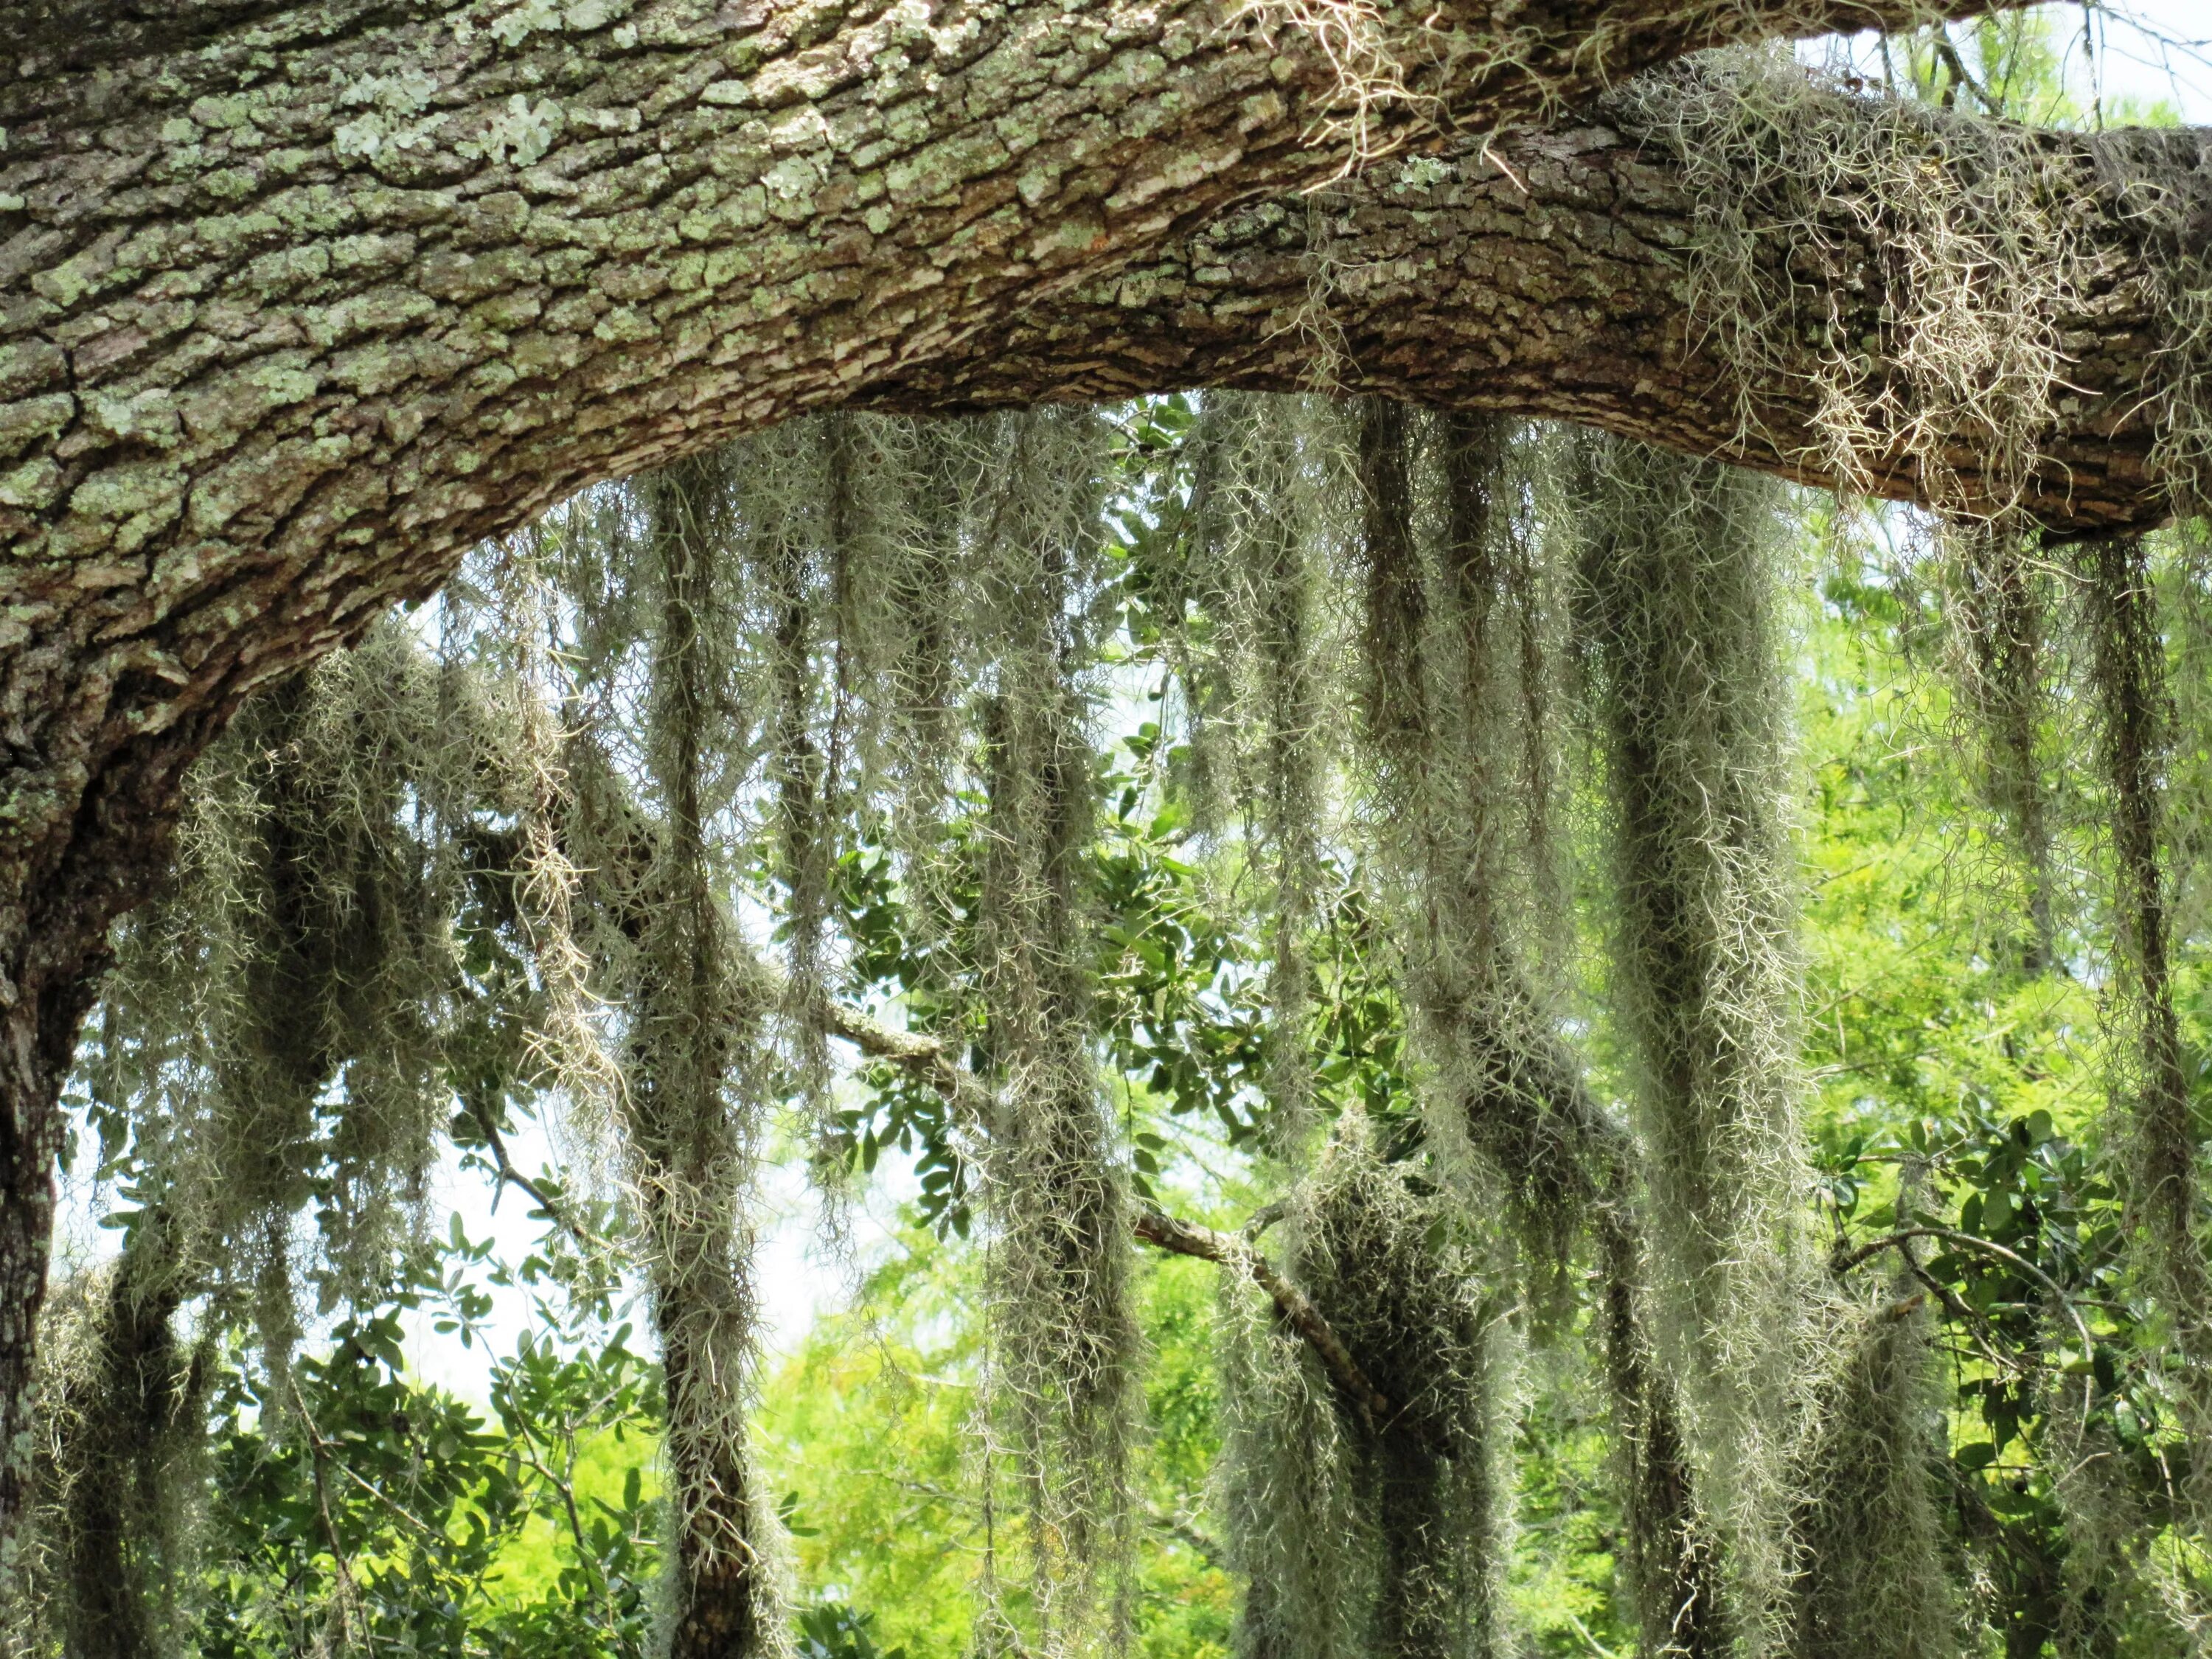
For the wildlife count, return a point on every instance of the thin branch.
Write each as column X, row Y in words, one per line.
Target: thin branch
column 1959, row 74
column 316, row 1448
column 1183, row 1532
column 1903, row 1236
column 930, row 1059
column 927, row 1057
column 1178, row 1237
column 508, row 1176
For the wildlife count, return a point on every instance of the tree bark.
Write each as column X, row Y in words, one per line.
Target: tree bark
column 1544, row 274
column 299, row 298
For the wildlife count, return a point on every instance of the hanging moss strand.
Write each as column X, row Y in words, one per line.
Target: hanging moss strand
column 2128, row 664
column 1061, row 1312
column 691, row 1142
column 2006, row 693
column 1671, row 1564
column 1682, row 594
column 1397, row 717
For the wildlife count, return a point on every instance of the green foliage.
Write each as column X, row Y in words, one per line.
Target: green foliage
column 369, row 1513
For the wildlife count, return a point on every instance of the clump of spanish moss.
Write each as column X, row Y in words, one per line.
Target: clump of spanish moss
column 1393, row 706
column 2002, row 651
column 565, row 1042
column 1063, row 1336
column 1975, row 222
column 1875, row 1561
column 1464, row 779
column 117, row 1477
column 1360, row 1530
column 275, row 1051
column 696, row 1080
column 2128, row 666
column 1256, row 663
column 1466, row 812
column 278, row 1024
column 795, row 487
column 1681, row 606
column 1670, row 1561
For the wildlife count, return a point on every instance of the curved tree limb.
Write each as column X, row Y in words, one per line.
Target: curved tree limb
column 1544, row 274
column 930, row 1059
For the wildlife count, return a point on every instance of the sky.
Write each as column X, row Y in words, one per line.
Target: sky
column 2152, row 50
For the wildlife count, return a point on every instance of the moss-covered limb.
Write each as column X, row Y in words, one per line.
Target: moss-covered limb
column 1543, row 273
column 443, row 266
column 465, row 306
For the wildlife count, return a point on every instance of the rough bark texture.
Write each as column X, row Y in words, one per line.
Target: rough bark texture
column 299, row 298
column 1544, row 274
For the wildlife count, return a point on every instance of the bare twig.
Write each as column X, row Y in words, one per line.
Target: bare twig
column 1183, row 1532
column 509, row 1175
column 316, row 1450
column 1903, row 1236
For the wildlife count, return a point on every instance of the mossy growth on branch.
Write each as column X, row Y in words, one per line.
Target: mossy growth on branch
column 1364, row 1532
column 1975, row 229
column 1876, row 1566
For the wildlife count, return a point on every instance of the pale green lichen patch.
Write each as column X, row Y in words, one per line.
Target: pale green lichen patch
column 150, row 415
column 521, row 134
column 33, row 417
column 35, row 484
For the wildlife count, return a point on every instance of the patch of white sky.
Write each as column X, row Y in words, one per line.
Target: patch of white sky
column 2126, row 58
column 2130, row 57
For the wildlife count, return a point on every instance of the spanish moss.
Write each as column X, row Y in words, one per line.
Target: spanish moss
column 1063, row 1328
column 1682, row 607
column 1365, row 1533
column 2127, row 662
column 693, row 1106
column 2003, row 669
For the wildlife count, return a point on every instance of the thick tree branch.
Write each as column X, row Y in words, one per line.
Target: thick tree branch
column 301, row 298
column 1545, row 274
column 1166, row 1232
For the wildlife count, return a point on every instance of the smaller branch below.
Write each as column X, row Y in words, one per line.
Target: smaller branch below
column 508, row 1176
column 933, row 1061
column 1163, row 1231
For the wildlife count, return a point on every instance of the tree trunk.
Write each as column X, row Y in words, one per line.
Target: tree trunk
column 301, row 298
